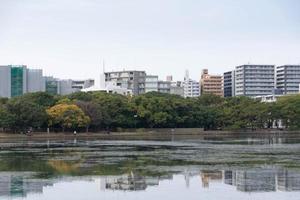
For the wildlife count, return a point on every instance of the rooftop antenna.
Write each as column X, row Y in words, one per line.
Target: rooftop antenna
column 102, row 76
column 103, row 66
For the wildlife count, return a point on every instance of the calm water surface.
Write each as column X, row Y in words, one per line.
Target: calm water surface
column 204, row 168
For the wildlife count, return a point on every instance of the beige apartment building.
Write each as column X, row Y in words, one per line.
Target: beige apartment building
column 211, row 84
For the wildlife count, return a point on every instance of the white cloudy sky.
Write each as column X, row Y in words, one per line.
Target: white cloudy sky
column 70, row 38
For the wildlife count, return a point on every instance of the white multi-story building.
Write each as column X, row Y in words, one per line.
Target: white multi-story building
column 191, row 88
column 132, row 80
column 108, row 87
column 151, row 83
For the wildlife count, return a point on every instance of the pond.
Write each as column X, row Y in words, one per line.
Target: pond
column 235, row 168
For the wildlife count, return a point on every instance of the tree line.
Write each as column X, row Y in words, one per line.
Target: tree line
column 96, row 111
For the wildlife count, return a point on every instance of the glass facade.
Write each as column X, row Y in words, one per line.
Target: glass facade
column 52, row 87
column 17, row 81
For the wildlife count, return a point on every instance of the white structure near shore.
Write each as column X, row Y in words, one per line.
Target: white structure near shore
column 108, row 87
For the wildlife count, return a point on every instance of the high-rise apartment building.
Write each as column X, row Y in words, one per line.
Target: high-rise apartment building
column 211, row 84
column 229, row 84
column 254, row 80
column 132, row 80
column 288, row 78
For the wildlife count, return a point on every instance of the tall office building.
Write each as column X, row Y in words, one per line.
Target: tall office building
column 254, row 80
column 288, row 78
column 132, row 80
column 211, row 84
column 5, row 81
column 229, row 84
column 52, row 85
column 16, row 80
column 35, row 80
column 65, row 87
column 191, row 88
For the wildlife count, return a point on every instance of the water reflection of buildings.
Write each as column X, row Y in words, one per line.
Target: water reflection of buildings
column 209, row 176
column 131, row 182
column 255, row 180
column 288, row 180
column 20, row 184
column 263, row 180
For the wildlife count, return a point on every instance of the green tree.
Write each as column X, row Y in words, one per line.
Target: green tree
column 43, row 99
column 290, row 111
column 24, row 114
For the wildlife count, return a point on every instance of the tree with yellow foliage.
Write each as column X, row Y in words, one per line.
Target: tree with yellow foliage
column 67, row 116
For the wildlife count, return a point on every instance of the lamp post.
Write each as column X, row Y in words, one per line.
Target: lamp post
column 135, row 117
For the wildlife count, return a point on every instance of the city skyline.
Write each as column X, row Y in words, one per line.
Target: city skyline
column 164, row 38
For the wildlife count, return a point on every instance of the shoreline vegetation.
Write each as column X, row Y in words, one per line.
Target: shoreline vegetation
column 99, row 112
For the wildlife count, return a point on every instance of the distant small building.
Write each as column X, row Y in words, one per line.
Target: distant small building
column 169, row 78
column 177, row 88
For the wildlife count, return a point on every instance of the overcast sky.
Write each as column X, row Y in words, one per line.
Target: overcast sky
column 70, row 38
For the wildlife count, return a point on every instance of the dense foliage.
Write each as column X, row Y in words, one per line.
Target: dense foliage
column 96, row 111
